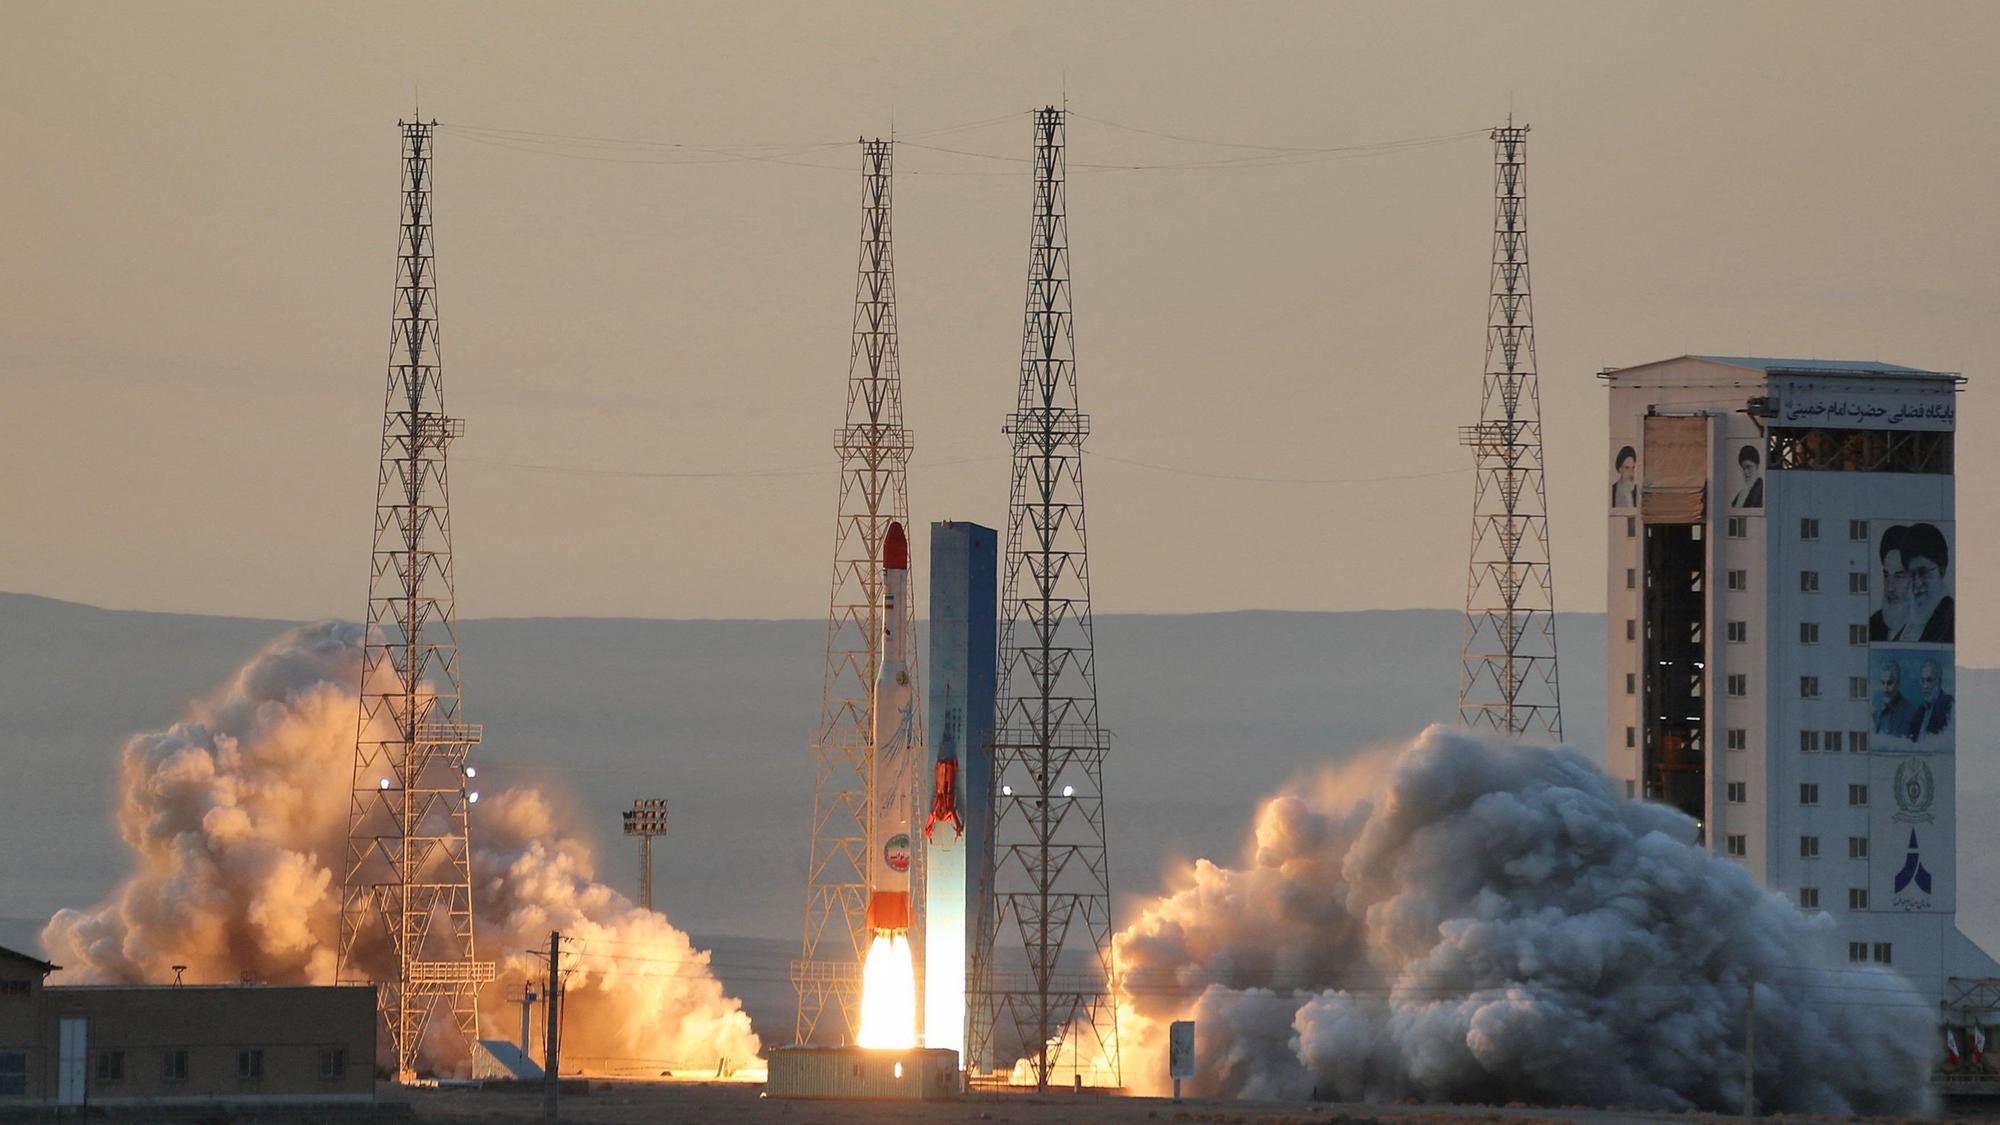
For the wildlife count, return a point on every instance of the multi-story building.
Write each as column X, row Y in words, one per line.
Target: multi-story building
column 1781, row 613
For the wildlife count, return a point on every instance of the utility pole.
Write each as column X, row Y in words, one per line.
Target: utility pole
column 874, row 449
column 552, row 1034
column 1050, row 884
column 1507, row 678
column 646, row 819
column 407, row 882
column 1750, row 1047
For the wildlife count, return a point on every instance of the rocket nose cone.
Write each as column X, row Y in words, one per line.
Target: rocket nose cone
column 896, row 549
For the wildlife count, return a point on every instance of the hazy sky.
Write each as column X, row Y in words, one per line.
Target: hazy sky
column 201, row 212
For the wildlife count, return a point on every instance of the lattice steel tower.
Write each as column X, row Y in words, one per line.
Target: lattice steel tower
column 874, row 451
column 1031, row 983
column 1508, row 680
column 406, row 901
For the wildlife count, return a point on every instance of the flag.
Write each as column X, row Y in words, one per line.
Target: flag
column 1950, row 1047
column 1978, row 1037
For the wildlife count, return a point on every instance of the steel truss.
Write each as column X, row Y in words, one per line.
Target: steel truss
column 1048, row 866
column 874, row 451
column 408, row 878
column 1507, row 681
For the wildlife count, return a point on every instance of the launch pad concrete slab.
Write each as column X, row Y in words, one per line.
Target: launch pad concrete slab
column 913, row 1074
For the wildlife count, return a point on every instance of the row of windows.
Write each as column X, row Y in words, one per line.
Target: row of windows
column 1857, row 898
column 1739, row 528
column 1858, row 951
column 1738, row 793
column 1738, row 632
column 1739, row 581
column 1810, row 741
column 174, row 1065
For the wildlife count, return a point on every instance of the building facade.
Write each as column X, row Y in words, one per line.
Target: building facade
column 138, row 1045
column 1781, row 614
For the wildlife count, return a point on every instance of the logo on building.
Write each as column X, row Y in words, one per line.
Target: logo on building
column 1913, row 882
column 1916, row 790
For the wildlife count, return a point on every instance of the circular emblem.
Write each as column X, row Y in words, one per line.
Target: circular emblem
column 896, row 853
column 1915, row 790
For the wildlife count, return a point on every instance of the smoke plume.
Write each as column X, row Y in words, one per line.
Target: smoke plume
column 1463, row 921
column 237, row 817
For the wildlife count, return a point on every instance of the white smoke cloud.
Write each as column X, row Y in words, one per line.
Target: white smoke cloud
column 237, row 817
column 1463, row 921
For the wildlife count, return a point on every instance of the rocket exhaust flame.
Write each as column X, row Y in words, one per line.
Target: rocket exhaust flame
column 888, row 993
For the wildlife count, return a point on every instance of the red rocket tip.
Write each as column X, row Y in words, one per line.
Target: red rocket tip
column 896, row 549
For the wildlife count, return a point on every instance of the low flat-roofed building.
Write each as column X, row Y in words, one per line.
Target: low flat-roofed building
column 112, row 1045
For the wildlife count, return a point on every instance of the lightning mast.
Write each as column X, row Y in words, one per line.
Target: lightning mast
column 406, row 900
column 1049, row 877
column 1507, row 681
column 874, row 451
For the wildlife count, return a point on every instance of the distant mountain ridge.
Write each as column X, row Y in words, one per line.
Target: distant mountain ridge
column 1208, row 712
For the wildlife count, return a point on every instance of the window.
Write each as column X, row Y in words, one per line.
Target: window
column 1736, row 631
column 1631, row 683
column 1809, row 529
column 1857, row 898
column 1882, row 953
column 1808, row 632
column 1857, row 687
column 1736, row 738
column 174, row 1065
column 1833, row 741
column 1738, row 580
column 1631, row 579
column 1857, row 634
column 1827, row 449
column 1809, row 581
column 1857, row 581
column 1857, row 951
column 13, row 1074
column 332, row 1062
column 1857, row 847
column 1631, row 738
column 1857, row 795
column 1631, row 789
column 1739, row 527
column 1631, row 527
column 1808, row 898
column 1857, row 741
column 1737, row 845
column 1809, row 847
column 250, row 1064
column 1631, row 629
column 1738, row 684
column 1808, row 793
column 1808, row 740
column 1857, row 530
column 13, row 988
column 1739, row 792
column 1808, row 687
column 111, row 1066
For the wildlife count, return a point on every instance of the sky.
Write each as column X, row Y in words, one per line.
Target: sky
column 649, row 343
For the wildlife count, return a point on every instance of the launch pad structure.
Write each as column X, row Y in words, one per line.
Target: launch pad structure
column 1049, row 888
column 406, row 893
column 1507, row 680
column 874, row 450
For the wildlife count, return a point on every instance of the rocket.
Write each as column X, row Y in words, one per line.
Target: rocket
column 889, row 769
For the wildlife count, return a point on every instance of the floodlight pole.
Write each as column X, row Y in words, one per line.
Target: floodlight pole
column 646, row 819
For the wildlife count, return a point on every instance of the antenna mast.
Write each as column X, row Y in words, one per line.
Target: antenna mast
column 406, row 898
column 874, row 451
column 1507, row 681
column 1048, row 864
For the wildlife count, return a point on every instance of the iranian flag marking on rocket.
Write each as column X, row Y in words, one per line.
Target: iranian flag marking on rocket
column 889, row 777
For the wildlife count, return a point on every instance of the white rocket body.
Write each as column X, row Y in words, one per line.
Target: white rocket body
column 890, row 848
